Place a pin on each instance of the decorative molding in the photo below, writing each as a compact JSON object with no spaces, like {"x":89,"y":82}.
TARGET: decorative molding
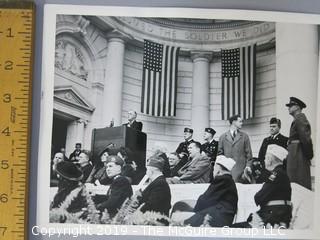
{"x":70,"y":97}
{"x":82,"y":25}
{"x":69,"y":58}
{"x":201,"y":54}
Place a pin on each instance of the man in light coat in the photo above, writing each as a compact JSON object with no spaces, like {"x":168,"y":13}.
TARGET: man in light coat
{"x":235,"y":144}
{"x":196,"y":170}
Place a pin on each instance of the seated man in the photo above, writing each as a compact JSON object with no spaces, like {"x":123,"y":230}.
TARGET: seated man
{"x":85,"y":165}
{"x":173,"y":163}
{"x":196,"y":170}
{"x":219,"y":201}
{"x":69,"y":176}
{"x":274,"y":198}
{"x":119,"y":190}
{"x":156,"y":196}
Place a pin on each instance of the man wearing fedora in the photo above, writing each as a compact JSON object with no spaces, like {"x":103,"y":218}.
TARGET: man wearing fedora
{"x":300,"y":146}
{"x":157,"y":195}
{"x":182,"y":149}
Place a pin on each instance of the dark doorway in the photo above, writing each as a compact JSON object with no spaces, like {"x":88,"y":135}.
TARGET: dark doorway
{"x":59,"y":134}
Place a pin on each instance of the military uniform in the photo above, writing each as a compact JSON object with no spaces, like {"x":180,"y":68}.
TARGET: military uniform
{"x":183,"y":148}
{"x":300,"y":146}
{"x":211,"y":149}
{"x":278,"y":139}
{"x":274,"y":198}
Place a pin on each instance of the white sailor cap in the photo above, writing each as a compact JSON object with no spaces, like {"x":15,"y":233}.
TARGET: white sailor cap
{"x":228,"y":163}
{"x":277,"y":151}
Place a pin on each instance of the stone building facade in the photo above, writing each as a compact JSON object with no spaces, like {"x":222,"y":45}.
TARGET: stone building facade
{"x":98,"y":75}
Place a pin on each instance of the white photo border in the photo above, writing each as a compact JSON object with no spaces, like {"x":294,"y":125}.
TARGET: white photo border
{"x":46,"y":117}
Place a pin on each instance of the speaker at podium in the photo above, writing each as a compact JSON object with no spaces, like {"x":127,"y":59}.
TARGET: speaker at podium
{"x":122,"y":136}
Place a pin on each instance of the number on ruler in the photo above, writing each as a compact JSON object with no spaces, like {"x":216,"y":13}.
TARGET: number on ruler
{"x":4,"y":164}
{"x":6,"y":131}
{"x":3,"y":230}
{"x":9,"y":33}
{"x":8,"y":65}
{"x":3,"y":198}
{"x":6,"y":98}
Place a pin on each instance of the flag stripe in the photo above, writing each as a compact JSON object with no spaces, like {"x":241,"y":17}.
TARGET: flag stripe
{"x":238,"y":82}
{"x":159,"y":86}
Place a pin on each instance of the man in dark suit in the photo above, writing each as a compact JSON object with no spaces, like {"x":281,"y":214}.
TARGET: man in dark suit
{"x":235,"y":144}
{"x":182,"y":149}
{"x":219,"y":201}
{"x":300,"y":146}
{"x":74,"y":156}
{"x":132,"y":116}
{"x":156,"y":196}
{"x":275,"y":138}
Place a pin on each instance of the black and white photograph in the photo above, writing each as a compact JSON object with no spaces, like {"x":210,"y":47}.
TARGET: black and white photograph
{"x":178,"y":118}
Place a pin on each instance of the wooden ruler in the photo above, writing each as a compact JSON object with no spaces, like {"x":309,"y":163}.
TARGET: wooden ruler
{"x":16,"y":48}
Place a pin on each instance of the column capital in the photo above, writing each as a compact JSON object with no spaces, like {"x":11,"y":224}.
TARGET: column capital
{"x":197,"y":55}
{"x":82,"y":121}
{"x":116,"y":35}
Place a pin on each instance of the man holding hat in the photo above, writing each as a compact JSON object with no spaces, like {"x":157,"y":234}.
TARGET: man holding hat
{"x":210,"y":147}
{"x":219,"y":201}
{"x":182,"y":149}
{"x":120,"y":188}
{"x":70,"y":177}
{"x":236,"y":145}
{"x":156,"y":196}
{"x":300,"y":145}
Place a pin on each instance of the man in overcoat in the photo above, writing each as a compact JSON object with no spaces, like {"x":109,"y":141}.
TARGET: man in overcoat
{"x":219,"y":201}
{"x":156,"y":196}
{"x":196,"y":170}
{"x":235,"y":144}
{"x":300,"y":146}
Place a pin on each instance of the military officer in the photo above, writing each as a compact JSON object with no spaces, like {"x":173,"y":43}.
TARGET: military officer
{"x":182,"y":149}
{"x":275,"y":138}
{"x":300,"y":146}
{"x":210,"y":147}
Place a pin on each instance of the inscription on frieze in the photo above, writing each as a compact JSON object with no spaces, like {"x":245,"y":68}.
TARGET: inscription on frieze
{"x":202,"y":35}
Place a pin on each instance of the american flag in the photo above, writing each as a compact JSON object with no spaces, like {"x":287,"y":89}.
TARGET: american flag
{"x":159,"y":80}
{"x":238,"y":82}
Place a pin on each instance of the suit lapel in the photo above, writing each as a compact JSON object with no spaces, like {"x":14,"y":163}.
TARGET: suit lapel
{"x":229,"y":137}
{"x":237,"y":138}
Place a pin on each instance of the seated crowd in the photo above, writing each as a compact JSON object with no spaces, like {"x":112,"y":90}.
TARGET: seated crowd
{"x":221,"y":163}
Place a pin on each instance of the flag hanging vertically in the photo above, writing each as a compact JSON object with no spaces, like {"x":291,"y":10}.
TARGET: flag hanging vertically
{"x":159,"y":79}
{"x":238,"y":82}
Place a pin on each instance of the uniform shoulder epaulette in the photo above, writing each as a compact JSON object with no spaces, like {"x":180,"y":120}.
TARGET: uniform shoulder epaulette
{"x":273,"y":176}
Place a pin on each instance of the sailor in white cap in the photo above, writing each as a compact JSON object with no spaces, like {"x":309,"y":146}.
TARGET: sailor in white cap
{"x":274,"y":198}
{"x":219,"y":201}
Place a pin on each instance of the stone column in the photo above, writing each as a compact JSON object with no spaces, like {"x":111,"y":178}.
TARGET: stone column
{"x":200,"y":93}
{"x":296,"y":70}
{"x":112,"y":96}
{"x":75,"y":134}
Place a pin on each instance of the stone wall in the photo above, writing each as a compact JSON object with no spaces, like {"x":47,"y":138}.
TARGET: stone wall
{"x":168,"y":132}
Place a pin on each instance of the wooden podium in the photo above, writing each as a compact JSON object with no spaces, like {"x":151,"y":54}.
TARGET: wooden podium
{"x":124,"y":136}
